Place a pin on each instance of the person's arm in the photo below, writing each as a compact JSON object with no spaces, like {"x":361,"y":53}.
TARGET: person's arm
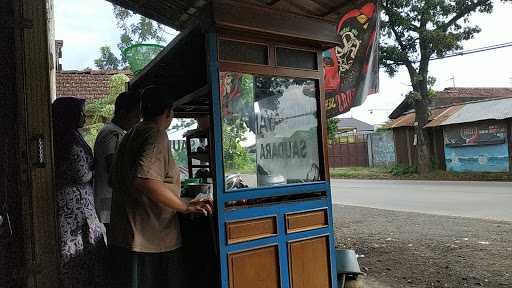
{"x":159,"y":193}
{"x":110,"y":146}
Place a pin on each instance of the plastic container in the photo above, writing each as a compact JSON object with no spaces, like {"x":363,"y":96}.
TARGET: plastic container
{"x":139,"y":55}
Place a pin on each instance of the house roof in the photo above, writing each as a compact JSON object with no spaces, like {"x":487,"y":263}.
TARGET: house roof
{"x":437,"y":116}
{"x":178,"y":14}
{"x":496,"y":109}
{"x":459,"y":113}
{"x":352,"y":123}
{"x":86,"y":84}
{"x":451,"y":96}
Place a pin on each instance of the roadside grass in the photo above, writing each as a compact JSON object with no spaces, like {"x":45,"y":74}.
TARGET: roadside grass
{"x":408,"y":173}
{"x":361,"y":173}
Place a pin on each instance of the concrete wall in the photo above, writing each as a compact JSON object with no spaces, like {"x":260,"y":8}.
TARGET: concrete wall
{"x":381,"y":149}
{"x":485,"y":151}
{"x":491,"y":158}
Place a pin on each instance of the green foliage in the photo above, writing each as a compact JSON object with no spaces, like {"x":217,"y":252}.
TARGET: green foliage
{"x":360,"y":173}
{"x":107,"y":60}
{"x":180,"y":157}
{"x":236,"y":157}
{"x":125,"y":41}
{"x":401,"y":170}
{"x":136,"y":29}
{"x":101,"y":111}
{"x":117,"y":86}
{"x":247,"y":89}
{"x":384,"y":173}
{"x":332,"y":129}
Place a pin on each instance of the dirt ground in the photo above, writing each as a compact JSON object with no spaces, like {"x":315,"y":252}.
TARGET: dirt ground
{"x":403,"y":249}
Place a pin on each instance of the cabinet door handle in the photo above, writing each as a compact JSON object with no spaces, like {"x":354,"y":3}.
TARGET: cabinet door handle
{"x":40,"y":159}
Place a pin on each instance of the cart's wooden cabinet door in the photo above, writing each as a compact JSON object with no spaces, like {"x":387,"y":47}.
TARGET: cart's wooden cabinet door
{"x":258,"y":268}
{"x":309,"y":263}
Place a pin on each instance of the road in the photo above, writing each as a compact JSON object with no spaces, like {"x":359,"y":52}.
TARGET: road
{"x":486,"y":200}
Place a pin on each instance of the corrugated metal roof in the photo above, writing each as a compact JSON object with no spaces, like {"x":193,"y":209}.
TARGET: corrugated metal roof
{"x":437,"y":116}
{"x":494,"y":109}
{"x":498,"y":109}
{"x":451,"y":96}
{"x":404,"y":121}
{"x":443,"y":116}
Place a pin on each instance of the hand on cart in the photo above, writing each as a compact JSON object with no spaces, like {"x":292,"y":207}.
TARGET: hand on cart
{"x":199,"y":207}
{"x":202,"y":203}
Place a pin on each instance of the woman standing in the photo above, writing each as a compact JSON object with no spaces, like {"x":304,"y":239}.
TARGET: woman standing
{"x":81,"y":236}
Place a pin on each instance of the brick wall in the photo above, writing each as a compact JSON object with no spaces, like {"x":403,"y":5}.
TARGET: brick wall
{"x":88,"y":84}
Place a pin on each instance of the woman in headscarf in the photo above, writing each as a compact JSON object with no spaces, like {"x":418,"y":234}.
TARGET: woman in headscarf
{"x":81,"y":236}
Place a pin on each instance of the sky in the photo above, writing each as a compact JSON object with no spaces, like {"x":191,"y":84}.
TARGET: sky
{"x":86,"y":25}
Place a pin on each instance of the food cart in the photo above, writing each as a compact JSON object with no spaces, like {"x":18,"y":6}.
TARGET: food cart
{"x":256,"y":74}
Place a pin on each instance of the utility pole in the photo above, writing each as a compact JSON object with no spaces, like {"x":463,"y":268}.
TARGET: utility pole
{"x":453,"y":80}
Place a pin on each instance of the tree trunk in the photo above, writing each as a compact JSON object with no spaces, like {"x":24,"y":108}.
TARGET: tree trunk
{"x":422,"y":137}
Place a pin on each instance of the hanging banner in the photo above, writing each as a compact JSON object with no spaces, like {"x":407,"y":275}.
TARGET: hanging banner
{"x":352,"y":69}
{"x":475,"y":134}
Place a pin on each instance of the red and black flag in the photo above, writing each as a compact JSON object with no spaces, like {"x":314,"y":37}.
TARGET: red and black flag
{"x":352,"y":69}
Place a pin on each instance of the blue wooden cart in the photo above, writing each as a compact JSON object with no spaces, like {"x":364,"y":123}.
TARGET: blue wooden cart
{"x":256,"y":73}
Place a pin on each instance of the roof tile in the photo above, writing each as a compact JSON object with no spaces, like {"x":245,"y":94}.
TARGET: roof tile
{"x":87,"y":84}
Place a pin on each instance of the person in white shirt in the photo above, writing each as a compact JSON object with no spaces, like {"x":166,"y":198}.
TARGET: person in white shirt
{"x":126,"y":115}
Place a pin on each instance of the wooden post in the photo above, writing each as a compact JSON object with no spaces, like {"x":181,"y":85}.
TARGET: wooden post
{"x":35,"y":142}
{"x":409,"y":152}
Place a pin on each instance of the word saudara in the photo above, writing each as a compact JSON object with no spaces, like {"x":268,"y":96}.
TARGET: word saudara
{"x":284,"y":150}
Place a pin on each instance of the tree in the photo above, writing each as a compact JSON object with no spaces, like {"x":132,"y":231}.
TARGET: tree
{"x":236,"y":157}
{"x":136,"y":29}
{"x":332,"y":128}
{"x":413,"y":32}
{"x":100,"y":111}
{"x":107,"y":60}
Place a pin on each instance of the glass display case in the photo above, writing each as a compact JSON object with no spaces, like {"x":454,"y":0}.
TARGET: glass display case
{"x":270,"y":129}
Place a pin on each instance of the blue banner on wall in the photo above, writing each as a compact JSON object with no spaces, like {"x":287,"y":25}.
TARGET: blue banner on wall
{"x":488,"y":158}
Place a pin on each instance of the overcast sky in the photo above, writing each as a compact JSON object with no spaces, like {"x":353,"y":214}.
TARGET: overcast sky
{"x":86,"y":25}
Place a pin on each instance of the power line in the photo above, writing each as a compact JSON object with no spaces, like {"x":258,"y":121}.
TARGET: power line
{"x":473,"y":51}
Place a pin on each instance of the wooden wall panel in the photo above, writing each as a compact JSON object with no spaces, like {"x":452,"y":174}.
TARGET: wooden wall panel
{"x":309,"y":263}
{"x":404,"y":145}
{"x":257,"y":268}
{"x":306,"y":221}
{"x":35,"y":109}
{"x":348,"y":155}
{"x":236,"y":15}
{"x":11,"y":160}
{"x":242,"y":231}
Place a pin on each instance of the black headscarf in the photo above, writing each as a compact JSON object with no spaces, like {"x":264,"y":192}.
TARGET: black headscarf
{"x":67,"y":119}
